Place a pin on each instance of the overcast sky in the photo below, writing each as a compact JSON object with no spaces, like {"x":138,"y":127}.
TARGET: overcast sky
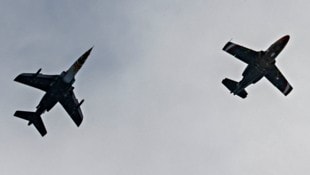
{"x":154,"y":102}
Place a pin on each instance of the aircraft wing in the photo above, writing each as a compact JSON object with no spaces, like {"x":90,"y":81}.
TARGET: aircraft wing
{"x":72,"y":106}
{"x":278,"y":80}
{"x":244,"y":54}
{"x":39,"y":81}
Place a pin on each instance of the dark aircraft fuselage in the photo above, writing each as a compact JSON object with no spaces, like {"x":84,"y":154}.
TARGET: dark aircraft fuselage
{"x":61,"y":87}
{"x":58,"y":89}
{"x":260,"y":65}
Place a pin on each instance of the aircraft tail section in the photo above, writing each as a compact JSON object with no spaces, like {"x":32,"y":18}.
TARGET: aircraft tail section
{"x":33,"y":118}
{"x":232,"y":86}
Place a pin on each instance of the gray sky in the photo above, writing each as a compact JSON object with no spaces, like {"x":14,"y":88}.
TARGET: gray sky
{"x":154,"y":102}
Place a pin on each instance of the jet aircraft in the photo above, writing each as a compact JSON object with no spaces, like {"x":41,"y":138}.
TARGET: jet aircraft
{"x":58,"y":88}
{"x":260,"y":64}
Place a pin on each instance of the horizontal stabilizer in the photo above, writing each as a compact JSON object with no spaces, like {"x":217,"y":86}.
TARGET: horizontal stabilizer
{"x":34,"y":119}
{"x":232,"y":86}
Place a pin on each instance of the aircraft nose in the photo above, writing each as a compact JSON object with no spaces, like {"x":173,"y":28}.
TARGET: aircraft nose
{"x":88,"y":52}
{"x":285,"y":39}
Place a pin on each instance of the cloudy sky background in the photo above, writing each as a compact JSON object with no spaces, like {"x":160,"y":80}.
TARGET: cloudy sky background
{"x":154,"y":102}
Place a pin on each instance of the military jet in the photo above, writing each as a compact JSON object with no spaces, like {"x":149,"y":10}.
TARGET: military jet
{"x":260,"y":64}
{"x":58,"y":88}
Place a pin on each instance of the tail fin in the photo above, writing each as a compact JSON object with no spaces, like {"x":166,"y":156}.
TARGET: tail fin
{"x":34,"y":119}
{"x":232,"y":86}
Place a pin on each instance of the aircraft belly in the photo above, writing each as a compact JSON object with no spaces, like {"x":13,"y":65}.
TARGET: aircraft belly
{"x":253,"y":71}
{"x":54,"y":95}
{"x":48,"y":101}
{"x":252,"y":74}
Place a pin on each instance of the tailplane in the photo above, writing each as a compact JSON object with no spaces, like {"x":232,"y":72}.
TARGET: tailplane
{"x":33,"y":118}
{"x":232,"y":86}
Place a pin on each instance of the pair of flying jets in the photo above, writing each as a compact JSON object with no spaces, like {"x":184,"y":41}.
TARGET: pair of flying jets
{"x":58,"y":88}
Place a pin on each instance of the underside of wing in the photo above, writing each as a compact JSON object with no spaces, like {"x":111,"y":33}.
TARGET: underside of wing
{"x":39,"y":81}
{"x":72,"y":106}
{"x":277,"y":79}
{"x":244,"y":54}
